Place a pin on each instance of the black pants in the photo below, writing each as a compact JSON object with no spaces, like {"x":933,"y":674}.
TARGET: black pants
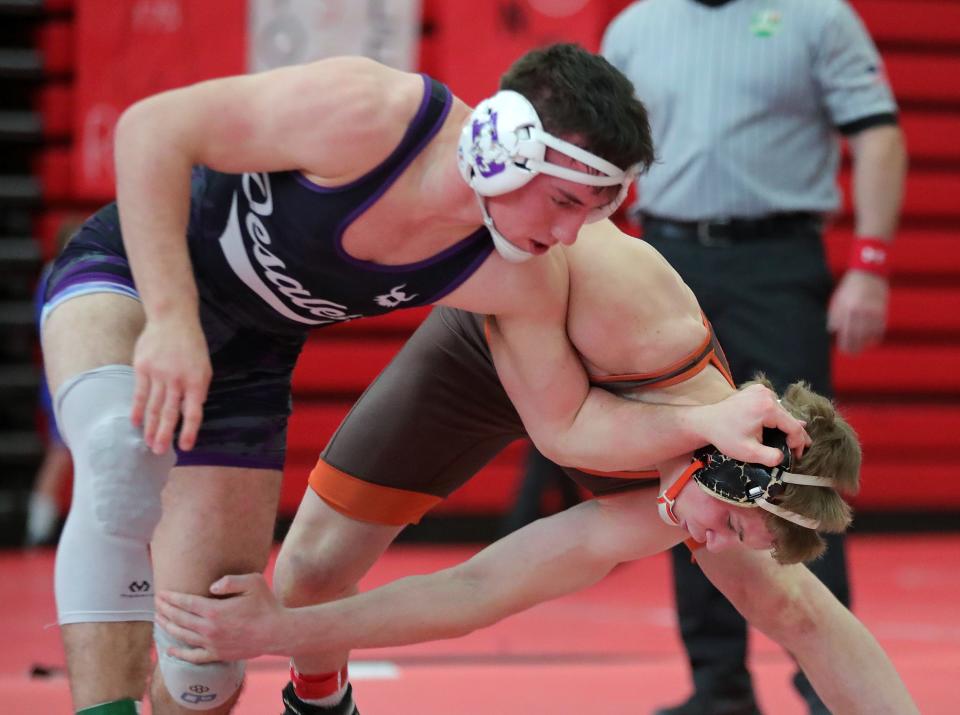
{"x":767,"y":300}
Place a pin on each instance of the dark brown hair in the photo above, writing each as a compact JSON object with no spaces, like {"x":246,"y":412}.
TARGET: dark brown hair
{"x":582,"y":97}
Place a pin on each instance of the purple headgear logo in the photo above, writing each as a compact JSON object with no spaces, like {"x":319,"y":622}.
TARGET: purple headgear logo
{"x":489,"y":156}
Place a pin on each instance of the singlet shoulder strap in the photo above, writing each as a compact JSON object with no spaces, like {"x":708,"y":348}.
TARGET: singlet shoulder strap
{"x":431,"y":114}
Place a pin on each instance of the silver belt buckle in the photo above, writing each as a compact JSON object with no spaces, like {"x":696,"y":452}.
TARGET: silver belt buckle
{"x":705,"y":236}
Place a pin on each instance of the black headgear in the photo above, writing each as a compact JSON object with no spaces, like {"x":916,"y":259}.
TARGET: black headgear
{"x":744,"y":483}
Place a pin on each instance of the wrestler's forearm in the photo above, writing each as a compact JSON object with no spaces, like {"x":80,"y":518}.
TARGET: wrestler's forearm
{"x":399,"y":613}
{"x":153,"y":197}
{"x":544,"y":560}
{"x":614,"y":434}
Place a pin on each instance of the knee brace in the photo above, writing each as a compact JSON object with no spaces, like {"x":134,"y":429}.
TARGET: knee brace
{"x":103,"y":570}
{"x":197,"y":687}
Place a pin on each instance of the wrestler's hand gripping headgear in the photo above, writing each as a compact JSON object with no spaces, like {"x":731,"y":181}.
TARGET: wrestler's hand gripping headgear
{"x":743,"y":483}
{"x":503,"y":146}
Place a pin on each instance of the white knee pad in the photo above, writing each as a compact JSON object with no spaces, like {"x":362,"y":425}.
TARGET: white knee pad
{"x":103,"y":570}
{"x":197,"y":687}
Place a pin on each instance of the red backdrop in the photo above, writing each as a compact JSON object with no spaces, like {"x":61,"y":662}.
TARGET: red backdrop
{"x":127,"y":51}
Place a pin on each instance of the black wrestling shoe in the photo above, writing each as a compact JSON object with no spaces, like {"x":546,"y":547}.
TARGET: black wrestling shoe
{"x":292,"y":705}
{"x":713,"y":706}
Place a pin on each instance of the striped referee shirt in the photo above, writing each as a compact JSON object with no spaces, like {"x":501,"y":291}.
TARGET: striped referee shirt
{"x":747,"y":100}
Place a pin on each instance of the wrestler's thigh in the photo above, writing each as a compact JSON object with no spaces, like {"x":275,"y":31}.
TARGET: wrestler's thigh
{"x":87,"y":332}
{"x":216,"y":521}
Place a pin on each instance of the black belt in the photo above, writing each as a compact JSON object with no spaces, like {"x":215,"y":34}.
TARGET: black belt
{"x":734,"y":230}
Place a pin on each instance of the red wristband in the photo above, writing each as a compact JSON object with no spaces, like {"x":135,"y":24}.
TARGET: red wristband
{"x":314,"y":687}
{"x":871,"y":255}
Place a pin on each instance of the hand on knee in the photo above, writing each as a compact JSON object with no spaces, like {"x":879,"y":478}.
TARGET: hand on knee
{"x":118,"y":479}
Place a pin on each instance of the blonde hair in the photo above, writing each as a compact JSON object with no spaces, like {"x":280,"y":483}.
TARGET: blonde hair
{"x":834,"y":454}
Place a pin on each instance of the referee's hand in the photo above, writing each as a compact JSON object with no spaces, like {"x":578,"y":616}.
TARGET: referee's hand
{"x":857,"y":314}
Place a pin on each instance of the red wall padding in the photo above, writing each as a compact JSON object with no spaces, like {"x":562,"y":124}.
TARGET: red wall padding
{"x":473,"y":43}
{"x":127,"y":51}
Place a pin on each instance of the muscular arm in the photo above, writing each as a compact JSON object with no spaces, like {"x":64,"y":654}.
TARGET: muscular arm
{"x":549,"y":558}
{"x":544,"y":560}
{"x":310,"y":117}
{"x":846,"y":665}
{"x":577,"y":425}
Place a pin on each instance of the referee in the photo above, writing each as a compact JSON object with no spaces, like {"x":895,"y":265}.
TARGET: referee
{"x":747,"y":100}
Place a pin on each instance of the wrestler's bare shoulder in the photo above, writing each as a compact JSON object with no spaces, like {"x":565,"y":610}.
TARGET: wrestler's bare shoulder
{"x":372,"y":105}
{"x":629,"y":310}
{"x":332,"y":119}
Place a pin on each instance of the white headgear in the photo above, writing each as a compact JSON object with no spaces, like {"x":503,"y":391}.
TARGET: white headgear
{"x":503,"y":147}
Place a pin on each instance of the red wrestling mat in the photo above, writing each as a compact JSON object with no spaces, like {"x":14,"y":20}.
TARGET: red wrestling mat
{"x":612,"y":649}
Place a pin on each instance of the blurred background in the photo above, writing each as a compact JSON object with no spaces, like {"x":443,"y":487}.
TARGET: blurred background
{"x":69,"y":67}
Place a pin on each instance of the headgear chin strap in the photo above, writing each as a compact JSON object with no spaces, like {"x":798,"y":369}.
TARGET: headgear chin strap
{"x":743,"y":483}
{"x":507,"y":251}
{"x":503,"y":147}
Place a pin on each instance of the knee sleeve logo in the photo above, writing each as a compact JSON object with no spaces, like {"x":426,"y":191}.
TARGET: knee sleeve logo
{"x":196,"y":694}
{"x":139,"y":587}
